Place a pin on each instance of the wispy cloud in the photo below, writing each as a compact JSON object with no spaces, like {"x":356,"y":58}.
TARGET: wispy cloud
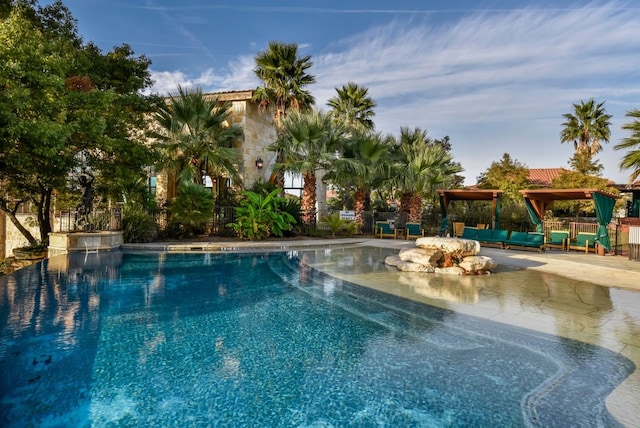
{"x":494,"y":81}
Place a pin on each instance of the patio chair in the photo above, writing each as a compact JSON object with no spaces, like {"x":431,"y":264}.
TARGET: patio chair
{"x":384,"y":230}
{"x":584,"y":242}
{"x":413,"y":230}
{"x":458,"y":228}
{"x":557,"y":239}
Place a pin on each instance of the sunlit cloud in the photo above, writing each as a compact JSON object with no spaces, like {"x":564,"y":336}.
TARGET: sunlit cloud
{"x":494,"y":82}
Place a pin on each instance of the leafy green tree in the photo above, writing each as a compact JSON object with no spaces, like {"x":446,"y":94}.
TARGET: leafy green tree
{"x":587,"y":127}
{"x":578,"y":180}
{"x":195,"y":137}
{"x":308,"y":142}
{"x":353,"y":106}
{"x":508,"y":175}
{"x":260,"y":216}
{"x":583,"y":162}
{"x":58,"y":111}
{"x":631,"y":159}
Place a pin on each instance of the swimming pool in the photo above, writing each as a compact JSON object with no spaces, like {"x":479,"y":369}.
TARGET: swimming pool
{"x":135,"y":339}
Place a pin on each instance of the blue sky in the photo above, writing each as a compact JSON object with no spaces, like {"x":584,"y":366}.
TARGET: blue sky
{"x":496,"y":76}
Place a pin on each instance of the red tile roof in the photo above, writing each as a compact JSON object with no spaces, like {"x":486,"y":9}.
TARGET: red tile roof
{"x":544,"y":176}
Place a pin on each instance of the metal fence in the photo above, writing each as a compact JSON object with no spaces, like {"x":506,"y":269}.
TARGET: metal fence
{"x":111,"y":219}
{"x":99,"y":220}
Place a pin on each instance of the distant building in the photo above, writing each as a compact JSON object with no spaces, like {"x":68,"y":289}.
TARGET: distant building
{"x":543,"y":177}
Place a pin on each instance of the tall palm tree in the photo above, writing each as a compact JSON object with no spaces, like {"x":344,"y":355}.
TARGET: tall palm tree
{"x":631,"y":160}
{"x":285,"y":77}
{"x":587,"y":127}
{"x":361,"y":164}
{"x":195,"y":136}
{"x":308,"y":142}
{"x":353,"y":106}
{"x":420,"y":166}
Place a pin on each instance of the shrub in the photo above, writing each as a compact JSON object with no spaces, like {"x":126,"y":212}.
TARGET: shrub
{"x":137,"y":224}
{"x":336,"y":224}
{"x":259,"y":217}
{"x":191,"y":209}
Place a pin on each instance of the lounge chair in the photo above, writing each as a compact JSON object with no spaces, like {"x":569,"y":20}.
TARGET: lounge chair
{"x":557,"y":239}
{"x":492,"y":237}
{"x":584,"y":242}
{"x":526,"y":241}
{"x":384,"y":230}
{"x":470,"y":233}
{"x":413,"y":230}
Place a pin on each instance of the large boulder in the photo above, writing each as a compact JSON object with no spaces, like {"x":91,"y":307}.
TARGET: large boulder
{"x":455,"y":246}
{"x":423,"y":256}
{"x":477,"y":264}
{"x":392,"y":260}
{"x":414,"y":267}
{"x":453,"y":270}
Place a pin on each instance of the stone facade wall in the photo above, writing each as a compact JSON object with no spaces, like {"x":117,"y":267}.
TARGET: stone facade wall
{"x":3,"y":235}
{"x":13,"y":237}
{"x":258,"y":132}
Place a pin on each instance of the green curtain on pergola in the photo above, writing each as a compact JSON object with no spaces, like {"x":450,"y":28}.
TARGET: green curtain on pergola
{"x":604,"y":211}
{"x":532,"y":214}
{"x":444,"y":223}
{"x":538,"y":201}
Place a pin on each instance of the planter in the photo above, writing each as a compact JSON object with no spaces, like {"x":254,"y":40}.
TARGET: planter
{"x":27,"y":254}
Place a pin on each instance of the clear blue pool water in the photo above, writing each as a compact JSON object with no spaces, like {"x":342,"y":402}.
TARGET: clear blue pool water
{"x":126,"y":339}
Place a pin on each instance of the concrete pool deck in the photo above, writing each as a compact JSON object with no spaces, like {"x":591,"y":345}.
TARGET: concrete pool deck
{"x":594,"y":299}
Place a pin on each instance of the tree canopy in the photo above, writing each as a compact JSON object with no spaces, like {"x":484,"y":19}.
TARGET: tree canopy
{"x":64,"y":106}
{"x":631,"y":160}
{"x":508,"y":175}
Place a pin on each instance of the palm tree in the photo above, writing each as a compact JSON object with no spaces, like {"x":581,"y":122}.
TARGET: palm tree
{"x":353,"y":106}
{"x":285,"y":77}
{"x":587,"y":128}
{"x":308,"y":142}
{"x":196,"y":138}
{"x":362,"y":164}
{"x":420,"y":166}
{"x":631,"y":160}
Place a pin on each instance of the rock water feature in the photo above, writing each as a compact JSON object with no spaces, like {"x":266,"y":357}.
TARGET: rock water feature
{"x":436,"y":254}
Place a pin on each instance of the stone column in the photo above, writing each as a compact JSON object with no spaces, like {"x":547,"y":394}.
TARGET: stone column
{"x":3,"y":235}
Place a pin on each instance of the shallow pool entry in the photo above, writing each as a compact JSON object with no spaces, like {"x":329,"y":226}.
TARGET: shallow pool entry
{"x":139,"y":339}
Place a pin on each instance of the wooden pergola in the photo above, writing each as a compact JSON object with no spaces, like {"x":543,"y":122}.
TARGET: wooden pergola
{"x":539,"y":200}
{"x":542,"y":199}
{"x":494,"y":195}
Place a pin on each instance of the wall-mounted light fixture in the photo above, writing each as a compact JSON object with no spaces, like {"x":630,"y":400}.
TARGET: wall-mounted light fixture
{"x":259,"y":163}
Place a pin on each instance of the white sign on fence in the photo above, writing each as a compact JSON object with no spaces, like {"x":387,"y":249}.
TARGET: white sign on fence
{"x":347,"y":215}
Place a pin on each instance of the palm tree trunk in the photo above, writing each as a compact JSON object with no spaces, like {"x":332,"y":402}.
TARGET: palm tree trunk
{"x":308,"y":202}
{"x":415,"y":209}
{"x":405,"y":206}
{"x":359,"y":203}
